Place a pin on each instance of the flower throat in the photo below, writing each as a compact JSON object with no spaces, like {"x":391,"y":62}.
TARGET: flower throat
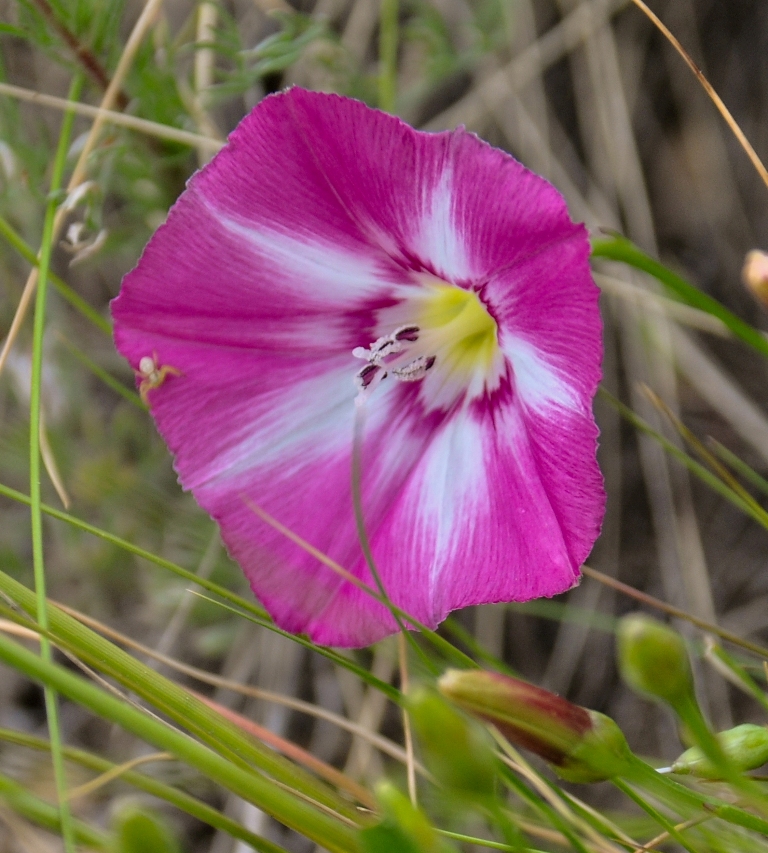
{"x":443,"y":328}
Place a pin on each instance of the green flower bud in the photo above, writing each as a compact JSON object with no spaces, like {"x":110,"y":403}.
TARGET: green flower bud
{"x":139,"y":829}
{"x":745,"y":747}
{"x":583,"y":746}
{"x":457,"y":751}
{"x":404,"y":827}
{"x":653,"y":660}
{"x":603,"y":753}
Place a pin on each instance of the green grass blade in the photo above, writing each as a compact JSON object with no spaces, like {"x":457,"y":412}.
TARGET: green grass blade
{"x":291,"y":809}
{"x":171,"y":699}
{"x":450,"y":652}
{"x":620,"y":249}
{"x":74,"y":299}
{"x":737,"y":671}
{"x":17,"y":797}
{"x":687,"y":802}
{"x":180,"y":799}
{"x":126,"y":393}
{"x":242,"y":607}
{"x":740,"y":467}
{"x":704,"y":474}
{"x":388,"y":690}
{"x":35,"y":460}
{"x":660,"y":818}
{"x":125,"y":545}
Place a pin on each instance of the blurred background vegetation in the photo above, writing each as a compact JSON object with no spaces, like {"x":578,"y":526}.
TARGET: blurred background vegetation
{"x":588,"y":94}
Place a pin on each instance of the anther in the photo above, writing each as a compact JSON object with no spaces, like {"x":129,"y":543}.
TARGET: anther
{"x":366,"y":375}
{"x":406,"y":333}
{"x":414,"y":370}
{"x":380,"y":362}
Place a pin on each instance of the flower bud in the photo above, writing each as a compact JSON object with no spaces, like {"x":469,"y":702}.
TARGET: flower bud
{"x":653,"y":659}
{"x":404,"y":827}
{"x":745,"y":747}
{"x":755,"y":274}
{"x":525,"y":714}
{"x":583,"y":746}
{"x":457,"y":751}
{"x":138,"y":829}
{"x":603,"y":753}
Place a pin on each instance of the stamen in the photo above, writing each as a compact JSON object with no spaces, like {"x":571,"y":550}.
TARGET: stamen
{"x":367,"y":374}
{"x":415,"y":370}
{"x":382,"y":350}
{"x":406,"y":333}
{"x":454,"y":337}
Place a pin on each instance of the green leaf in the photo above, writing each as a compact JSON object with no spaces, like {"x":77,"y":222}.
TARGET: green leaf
{"x":9,"y":29}
{"x":621,"y":249}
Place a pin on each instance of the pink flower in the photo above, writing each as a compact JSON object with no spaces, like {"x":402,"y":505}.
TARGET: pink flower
{"x":332,"y":261}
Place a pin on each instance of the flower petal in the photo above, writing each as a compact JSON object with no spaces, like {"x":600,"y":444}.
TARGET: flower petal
{"x":497,"y":508}
{"x":505,"y":512}
{"x":272,"y":267}
{"x":302,"y":478}
{"x":546,"y":308}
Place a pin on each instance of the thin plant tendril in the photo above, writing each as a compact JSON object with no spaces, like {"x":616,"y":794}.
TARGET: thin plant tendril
{"x":357,"y":503}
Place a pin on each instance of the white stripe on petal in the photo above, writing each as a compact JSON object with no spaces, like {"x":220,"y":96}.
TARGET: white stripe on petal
{"x":538,"y":384}
{"x":322,"y":270}
{"x":311,"y":418}
{"x":453,"y":478}
{"x":439,"y":241}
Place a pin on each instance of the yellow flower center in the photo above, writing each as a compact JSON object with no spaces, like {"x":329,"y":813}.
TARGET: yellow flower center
{"x":456,"y":327}
{"x":441,"y":334}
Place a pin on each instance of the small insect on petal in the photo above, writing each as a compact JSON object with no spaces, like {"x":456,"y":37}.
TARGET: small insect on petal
{"x":152,"y":375}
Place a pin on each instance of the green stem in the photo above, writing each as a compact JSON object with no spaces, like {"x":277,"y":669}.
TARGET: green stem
{"x":336,"y":835}
{"x":38,"y":562}
{"x":748,"y":683}
{"x":661,"y":819}
{"x":686,"y":802}
{"x":171,"y":699}
{"x":542,"y":806}
{"x":462,"y":635}
{"x":183,"y":801}
{"x":74,"y":299}
{"x":98,"y":371}
{"x":484,"y":842}
{"x":388,"y":37}
{"x":365,"y":545}
{"x":48,"y":816}
{"x":689,"y":712}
